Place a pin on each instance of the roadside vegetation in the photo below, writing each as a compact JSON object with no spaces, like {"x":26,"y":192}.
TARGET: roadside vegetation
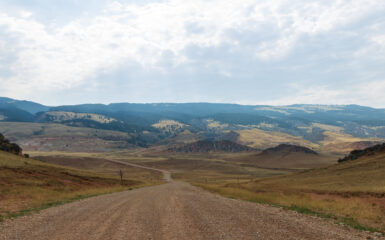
{"x":352,"y":193}
{"x":28,"y":185}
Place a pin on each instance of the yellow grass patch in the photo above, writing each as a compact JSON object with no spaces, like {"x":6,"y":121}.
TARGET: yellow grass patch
{"x":258,"y":138}
{"x":216,"y":125}
{"x":169,"y":124}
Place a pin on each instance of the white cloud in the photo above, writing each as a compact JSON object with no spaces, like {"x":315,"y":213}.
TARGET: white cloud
{"x":62,"y":57}
{"x":310,"y":95}
{"x":366,"y":93}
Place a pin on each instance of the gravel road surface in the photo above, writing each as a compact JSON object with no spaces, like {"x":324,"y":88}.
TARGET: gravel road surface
{"x":174,"y":210}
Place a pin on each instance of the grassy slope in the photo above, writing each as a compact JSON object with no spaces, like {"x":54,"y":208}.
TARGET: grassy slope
{"x":52,"y":136}
{"x":30,"y":184}
{"x":353,"y":191}
{"x":261,"y":139}
{"x":23,"y":130}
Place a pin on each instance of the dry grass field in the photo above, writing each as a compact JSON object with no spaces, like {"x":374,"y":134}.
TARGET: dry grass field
{"x":292,"y":161}
{"x":28,"y":185}
{"x":352,"y":192}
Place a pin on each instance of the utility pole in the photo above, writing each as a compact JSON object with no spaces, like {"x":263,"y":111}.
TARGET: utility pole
{"x":121,"y":176}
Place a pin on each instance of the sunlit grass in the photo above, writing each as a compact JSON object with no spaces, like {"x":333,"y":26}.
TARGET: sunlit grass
{"x":351,"y":192}
{"x":355,"y":211}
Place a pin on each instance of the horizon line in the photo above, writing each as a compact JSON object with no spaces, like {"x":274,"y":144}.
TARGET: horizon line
{"x":203,"y":102}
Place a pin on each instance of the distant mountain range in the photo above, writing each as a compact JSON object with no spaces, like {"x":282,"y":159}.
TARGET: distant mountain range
{"x":331,"y":128}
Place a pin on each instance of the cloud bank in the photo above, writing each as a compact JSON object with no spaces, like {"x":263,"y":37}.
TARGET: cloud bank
{"x":250,"y":52}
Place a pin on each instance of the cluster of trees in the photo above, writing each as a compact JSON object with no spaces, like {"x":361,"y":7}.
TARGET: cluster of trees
{"x":355,"y":154}
{"x":6,"y":145}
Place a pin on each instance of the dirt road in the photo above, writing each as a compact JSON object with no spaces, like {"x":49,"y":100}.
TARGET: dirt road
{"x":166,"y":174}
{"x":174,"y":210}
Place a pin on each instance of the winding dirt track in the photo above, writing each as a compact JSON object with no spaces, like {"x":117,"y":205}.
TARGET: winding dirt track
{"x":175,"y":210}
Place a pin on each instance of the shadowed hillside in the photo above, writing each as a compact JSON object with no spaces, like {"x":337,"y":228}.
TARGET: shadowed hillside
{"x":211,"y":146}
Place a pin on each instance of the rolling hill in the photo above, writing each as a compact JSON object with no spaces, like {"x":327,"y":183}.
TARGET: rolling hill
{"x":350,"y":192}
{"x":362,"y":174}
{"x":288,"y":157}
{"x":288,"y":149}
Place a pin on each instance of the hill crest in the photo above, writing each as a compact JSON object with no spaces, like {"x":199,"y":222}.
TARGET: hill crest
{"x":288,"y":148}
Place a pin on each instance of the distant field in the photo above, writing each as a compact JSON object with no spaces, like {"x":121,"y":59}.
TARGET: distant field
{"x":27,"y":185}
{"x":293,"y":161}
{"x":99,"y":165}
{"x":211,"y":164}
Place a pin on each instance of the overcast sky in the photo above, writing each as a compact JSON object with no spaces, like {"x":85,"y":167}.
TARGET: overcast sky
{"x":235,"y":51}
